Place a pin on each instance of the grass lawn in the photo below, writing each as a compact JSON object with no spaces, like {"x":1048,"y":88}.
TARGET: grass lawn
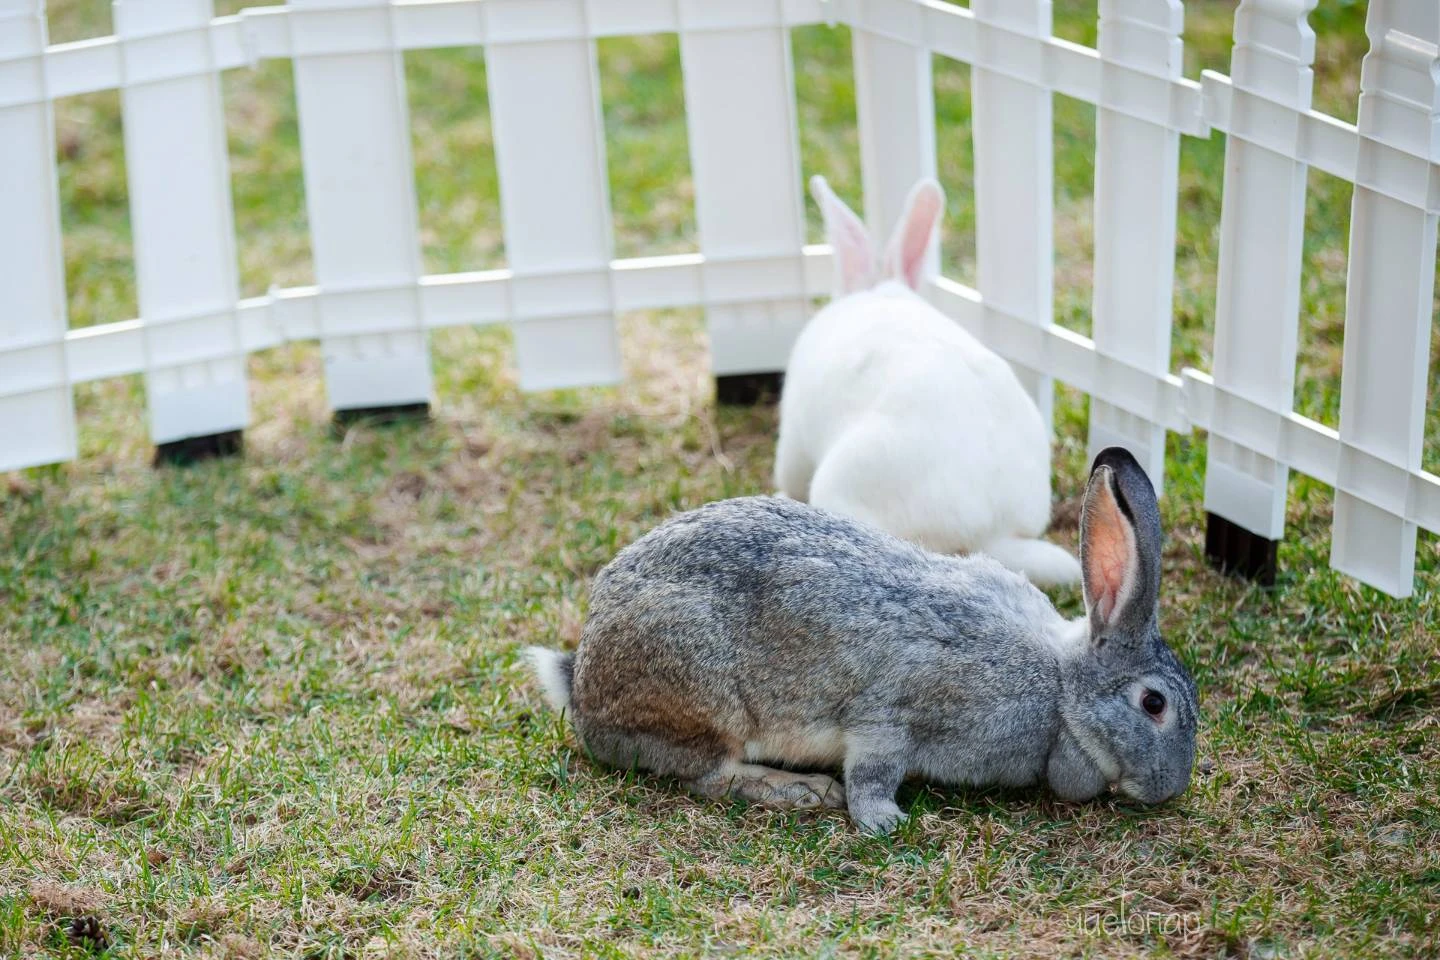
{"x":271,"y":706}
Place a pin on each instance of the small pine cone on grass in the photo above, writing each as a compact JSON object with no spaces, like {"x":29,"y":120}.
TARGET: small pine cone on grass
{"x":88,"y":931}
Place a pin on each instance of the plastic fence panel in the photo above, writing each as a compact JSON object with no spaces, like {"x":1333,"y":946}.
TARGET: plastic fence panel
{"x":360,"y":194}
{"x":1262,"y":221}
{"x":179,"y":173}
{"x":1014,"y":181}
{"x":895,"y":107}
{"x":37,"y":417}
{"x":553,"y":194}
{"x":745,"y":157}
{"x":1389,"y":298}
{"x":1136,"y":187}
{"x":371,"y":306}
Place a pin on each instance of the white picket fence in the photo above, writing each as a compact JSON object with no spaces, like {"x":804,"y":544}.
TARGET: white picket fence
{"x":372,"y":305}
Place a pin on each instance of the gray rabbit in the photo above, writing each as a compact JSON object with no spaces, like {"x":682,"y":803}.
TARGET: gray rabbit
{"x":762,"y":631}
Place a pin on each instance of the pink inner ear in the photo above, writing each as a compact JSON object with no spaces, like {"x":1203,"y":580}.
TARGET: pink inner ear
{"x":848,"y":239}
{"x":851,"y":243}
{"x":914,"y":238}
{"x":1109,"y":552}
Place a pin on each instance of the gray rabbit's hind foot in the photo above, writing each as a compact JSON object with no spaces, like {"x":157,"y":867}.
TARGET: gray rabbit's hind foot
{"x":766,"y":785}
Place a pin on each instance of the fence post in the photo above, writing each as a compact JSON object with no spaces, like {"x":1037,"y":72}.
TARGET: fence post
{"x":895,"y":109}
{"x":1257,"y":297}
{"x":178,"y":168}
{"x":360,"y":196}
{"x":554,"y":200}
{"x":1014,"y":179}
{"x":1389,"y":297}
{"x":36,"y":404}
{"x":1137,"y":165}
{"x":745,"y":157}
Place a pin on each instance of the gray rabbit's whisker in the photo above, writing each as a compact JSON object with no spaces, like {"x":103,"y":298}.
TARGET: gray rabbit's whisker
{"x":1130,"y":789}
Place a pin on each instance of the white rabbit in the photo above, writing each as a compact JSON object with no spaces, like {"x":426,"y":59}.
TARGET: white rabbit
{"x":894,"y":415}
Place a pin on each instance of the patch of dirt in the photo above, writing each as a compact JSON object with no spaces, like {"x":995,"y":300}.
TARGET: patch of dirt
{"x":101,"y":796}
{"x":382,"y":883}
{"x":77,"y":913}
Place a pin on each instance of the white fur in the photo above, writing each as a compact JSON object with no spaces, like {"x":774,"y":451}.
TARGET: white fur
{"x":894,"y":415}
{"x":547,"y":665}
{"x":1068,"y":638}
{"x":815,"y":744}
{"x":1046,"y":564}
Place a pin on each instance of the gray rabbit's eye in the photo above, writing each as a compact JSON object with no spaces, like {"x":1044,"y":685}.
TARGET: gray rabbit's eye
{"x":1153,"y":702}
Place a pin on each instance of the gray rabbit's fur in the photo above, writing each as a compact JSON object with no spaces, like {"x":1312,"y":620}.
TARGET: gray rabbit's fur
{"x":764,"y":630}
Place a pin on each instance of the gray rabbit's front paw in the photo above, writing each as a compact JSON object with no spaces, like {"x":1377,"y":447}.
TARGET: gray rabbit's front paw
{"x":810,"y":790}
{"x":877,"y":816}
{"x":778,"y":788}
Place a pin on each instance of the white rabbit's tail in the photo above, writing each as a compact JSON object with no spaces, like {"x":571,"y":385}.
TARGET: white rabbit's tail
{"x":555,"y":671}
{"x":1043,"y":562}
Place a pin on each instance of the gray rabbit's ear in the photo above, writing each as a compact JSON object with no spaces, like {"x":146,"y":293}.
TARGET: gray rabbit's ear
{"x":1120,"y":543}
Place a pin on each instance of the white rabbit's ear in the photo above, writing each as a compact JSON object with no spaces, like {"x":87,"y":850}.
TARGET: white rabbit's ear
{"x":848,"y":238}
{"x":905,"y":256}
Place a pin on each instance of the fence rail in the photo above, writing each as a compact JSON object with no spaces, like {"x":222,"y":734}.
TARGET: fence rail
{"x":372,"y":304}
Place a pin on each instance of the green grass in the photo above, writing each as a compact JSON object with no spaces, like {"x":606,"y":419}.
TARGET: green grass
{"x":271,"y":706}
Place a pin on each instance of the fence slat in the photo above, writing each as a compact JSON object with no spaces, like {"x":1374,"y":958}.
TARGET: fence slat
{"x":1262,"y":221}
{"x":360,"y":196}
{"x":1388,"y":299}
{"x":179,"y":178}
{"x":895,"y":108}
{"x":1137,"y":165}
{"x":1014,"y":182}
{"x":555,"y":203}
{"x":36,"y":407}
{"x":745,"y":157}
